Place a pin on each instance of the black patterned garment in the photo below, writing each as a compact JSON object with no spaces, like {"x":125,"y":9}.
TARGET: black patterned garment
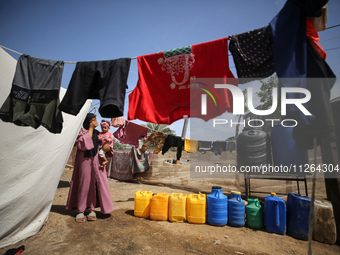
{"x":253,"y":54}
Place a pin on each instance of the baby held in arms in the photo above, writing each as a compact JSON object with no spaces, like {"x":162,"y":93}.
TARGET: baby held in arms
{"x":106,"y":141}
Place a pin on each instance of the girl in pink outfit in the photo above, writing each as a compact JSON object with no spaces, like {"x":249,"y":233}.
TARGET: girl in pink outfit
{"x":106,"y":142}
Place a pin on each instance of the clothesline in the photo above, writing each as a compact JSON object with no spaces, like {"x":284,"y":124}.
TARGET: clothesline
{"x":66,"y":62}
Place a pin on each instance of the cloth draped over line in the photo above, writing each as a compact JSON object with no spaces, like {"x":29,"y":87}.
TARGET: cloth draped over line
{"x":130,"y":133}
{"x":253,"y":54}
{"x":156,"y":137}
{"x":89,"y":186}
{"x":117,"y":122}
{"x":204,"y":146}
{"x":321,"y":80}
{"x":295,"y":59}
{"x":125,"y":164}
{"x":288,"y":30}
{"x":34,"y":96}
{"x":190,"y":145}
{"x":173,"y":141}
{"x":104,"y":80}
{"x":165,"y":90}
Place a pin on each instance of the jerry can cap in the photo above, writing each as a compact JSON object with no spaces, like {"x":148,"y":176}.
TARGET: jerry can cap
{"x":273,"y":193}
{"x":236,"y":192}
{"x":216,"y":187}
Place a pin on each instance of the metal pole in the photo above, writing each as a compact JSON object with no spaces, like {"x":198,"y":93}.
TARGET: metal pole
{"x":185,"y":125}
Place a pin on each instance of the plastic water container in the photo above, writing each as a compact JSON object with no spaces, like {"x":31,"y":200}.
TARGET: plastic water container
{"x":298,"y":208}
{"x":142,"y":204}
{"x":177,"y":207}
{"x":275,"y":214}
{"x":324,"y":228}
{"x":196,"y":208}
{"x":253,"y":148}
{"x":236,"y":210}
{"x":159,"y":207}
{"x":254,"y":214}
{"x":217,"y":207}
{"x":284,"y":149}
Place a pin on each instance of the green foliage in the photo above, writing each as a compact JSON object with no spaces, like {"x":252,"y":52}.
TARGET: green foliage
{"x":266,"y":91}
{"x":159,"y":127}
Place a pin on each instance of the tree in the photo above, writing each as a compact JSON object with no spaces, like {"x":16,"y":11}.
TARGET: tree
{"x":266,"y":98}
{"x":266,"y":92}
{"x":159,"y":127}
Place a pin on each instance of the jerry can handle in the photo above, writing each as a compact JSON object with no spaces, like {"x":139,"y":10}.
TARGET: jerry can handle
{"x":277,"y":214}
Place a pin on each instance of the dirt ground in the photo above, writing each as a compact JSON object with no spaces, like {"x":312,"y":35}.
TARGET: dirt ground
{"x":123,"y":233}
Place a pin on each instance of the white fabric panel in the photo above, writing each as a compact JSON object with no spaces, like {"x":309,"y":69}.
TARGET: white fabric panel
{"x":31,"y":164}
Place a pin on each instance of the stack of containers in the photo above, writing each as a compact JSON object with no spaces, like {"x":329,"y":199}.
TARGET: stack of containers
{"x":177,"y":207}
{"x":196,"y":208}
{"x":253,"y":148}
{"x":275,"y":212}
{"x":217,"y":207}
{"x":142,"y":204}
{"x":236,"y":210}
{"x":159,"y":207}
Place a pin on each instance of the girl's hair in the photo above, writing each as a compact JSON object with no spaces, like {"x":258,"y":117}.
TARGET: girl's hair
{"x":105,"y":122}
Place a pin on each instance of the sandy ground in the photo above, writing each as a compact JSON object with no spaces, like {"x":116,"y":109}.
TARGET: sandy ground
{"x":123,"y":233}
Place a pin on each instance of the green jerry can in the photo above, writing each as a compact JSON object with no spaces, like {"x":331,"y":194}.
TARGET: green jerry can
{"x":254,"y":214}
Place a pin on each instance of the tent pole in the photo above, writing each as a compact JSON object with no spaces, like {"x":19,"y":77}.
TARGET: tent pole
{"x":185,"y":126}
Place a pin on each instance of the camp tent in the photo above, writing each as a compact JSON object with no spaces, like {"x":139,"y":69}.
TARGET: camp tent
{"x":31,"y":164}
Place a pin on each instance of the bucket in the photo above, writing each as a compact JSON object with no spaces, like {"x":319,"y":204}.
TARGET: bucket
{"x":298,"y":208}
{"x":254,"y":214}
{"x":196,"y":208}
{"x":275,"y":212}
{"x":324,"y":228}
{"x":159,"y":207}
{"x":217,"y":207}
{"x":236,"y":210}
{"x":142,"y":204}
{"x":177,"y":207}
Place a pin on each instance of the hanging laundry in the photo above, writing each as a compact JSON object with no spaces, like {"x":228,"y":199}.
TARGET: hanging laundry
{"x":103,"y":80}
{"x":190,"y":145}
{"x":139,"y":163}
{"x":156,"y":136}
{"x":173,"y":141}
{"x":253,"y":54}
{"x":204,"y":146}
{"x":34,"y":97}
{"x":288,"y":30}
{"x":117,"y":122}
{"x":125,"y":164}
{"x":166,"y":88}
{"x":321,"y":21}
{"x":218,"y":147}
{"x":320,"y":82}
{"x":313,"y":37}
{"x":130,"y":133}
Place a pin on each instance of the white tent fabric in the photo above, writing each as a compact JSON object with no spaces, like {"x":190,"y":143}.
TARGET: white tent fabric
{"x":31,"y":164}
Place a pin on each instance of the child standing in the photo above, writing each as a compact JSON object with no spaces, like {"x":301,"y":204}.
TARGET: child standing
{"x":106,"y":142}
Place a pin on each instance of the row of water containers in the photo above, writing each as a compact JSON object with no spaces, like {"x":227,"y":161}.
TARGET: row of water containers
{"x":216,"y":209}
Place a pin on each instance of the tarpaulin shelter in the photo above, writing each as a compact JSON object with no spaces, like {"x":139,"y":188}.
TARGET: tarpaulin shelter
{"x":31,"y":164}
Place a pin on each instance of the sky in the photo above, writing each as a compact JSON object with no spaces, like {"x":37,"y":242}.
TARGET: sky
{"x":83,"y":30}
